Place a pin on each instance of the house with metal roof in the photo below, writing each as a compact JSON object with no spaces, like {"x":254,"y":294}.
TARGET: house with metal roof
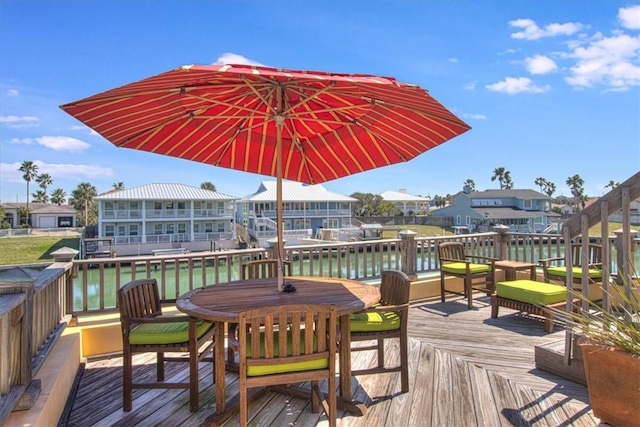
{"x":306,"y":209}
{"x":154,"y":218}
{"x":42,"y":215}
{"x":407,"y":203}
{"x":520,"y":209}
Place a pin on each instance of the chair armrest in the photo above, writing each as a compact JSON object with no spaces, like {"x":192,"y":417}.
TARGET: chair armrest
{"x":158,"y":319}
{"x":547,"y":261}
{"x":442,"y":260}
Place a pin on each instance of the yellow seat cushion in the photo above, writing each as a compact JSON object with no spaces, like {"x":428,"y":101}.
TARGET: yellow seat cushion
{"x":531,"y":292}
{"x":165,"y":333}
{"x":280,"y":368}
{"x":375,"y":322}
{"x":594,"y":273}
{"x":461,"y":268}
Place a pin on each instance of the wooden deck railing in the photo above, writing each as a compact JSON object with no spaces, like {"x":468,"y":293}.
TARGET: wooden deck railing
{"x":33,"y":312}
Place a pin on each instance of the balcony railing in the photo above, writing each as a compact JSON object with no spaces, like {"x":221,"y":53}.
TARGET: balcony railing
{"x":308,"y":213}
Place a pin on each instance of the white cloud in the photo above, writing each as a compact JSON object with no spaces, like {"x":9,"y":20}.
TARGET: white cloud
{"x":234,"y":58}
{"x":16,"y":122}
{"x":10,"y":172}
{"x":610,"y":61}
{"x":540,"y":64}
{"x":531,"y":30}
{"x":470,"y":86}
{"x":13,"y":93}
{"x":57,"y":143}
{"x":452,"y":59}
{"x":513,"y":85}
{"x":475,"y":116}
{"x":630,"y":17}
{"x":84,"y":128}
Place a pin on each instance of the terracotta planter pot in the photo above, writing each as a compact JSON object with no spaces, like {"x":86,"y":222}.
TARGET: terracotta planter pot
{"x":613,"y":380}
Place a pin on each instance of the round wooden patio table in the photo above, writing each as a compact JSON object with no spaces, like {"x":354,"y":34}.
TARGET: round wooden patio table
{"x":222,"y":303}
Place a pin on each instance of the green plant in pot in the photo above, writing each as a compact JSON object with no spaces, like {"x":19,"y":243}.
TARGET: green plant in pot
{"x":610,"y":344}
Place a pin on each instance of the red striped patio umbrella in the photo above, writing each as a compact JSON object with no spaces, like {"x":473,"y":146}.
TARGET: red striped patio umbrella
{"x":306,"y":126}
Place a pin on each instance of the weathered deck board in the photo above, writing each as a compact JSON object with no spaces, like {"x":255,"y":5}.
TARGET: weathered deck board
{"x":466,"y":369}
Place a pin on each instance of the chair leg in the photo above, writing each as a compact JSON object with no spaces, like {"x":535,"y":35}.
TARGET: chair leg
{"x":160,"y":366}
{"x":468,"y":292}
{"x":404,"y":363}
{"x":441,"y":287}
{"x":243,"y":402}
{"x":193,"y":379}
{"x":127,"y":379}
{"x":315,"y":398}
{"x":380,"y":353}
{"x":332,"y":401}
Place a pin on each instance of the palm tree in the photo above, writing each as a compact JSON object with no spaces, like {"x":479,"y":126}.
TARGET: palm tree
{"x":40,"y":197}
{"x":208,"y":186}
{"x":508,"y":182}
{"x":498,"y":173}
{"x":82,"y":198}
{"x":29,"y":171}
{"x":58,"y":196}
{"x":118,"y":185}
{"x":470,"y":183}
{"x":575,"y":184}
{"x":44,"y":180}
{"x":540,"y":182}
{"x":612,"y":184}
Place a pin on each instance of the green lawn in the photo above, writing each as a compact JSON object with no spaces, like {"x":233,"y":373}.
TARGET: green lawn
{"x":29,"y":250}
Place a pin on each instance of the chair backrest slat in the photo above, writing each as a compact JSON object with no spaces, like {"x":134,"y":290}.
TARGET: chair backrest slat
{"x":394,"y":287}
{"x":594,"y":254}
{"x":264,"y":268}
{"x":139,"y":298}
{"x":452,"y":250}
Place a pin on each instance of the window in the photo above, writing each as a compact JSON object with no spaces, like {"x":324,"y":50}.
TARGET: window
{"x":133,"y":230}
{"x":182,"y":205}
{"x":109,"y":230}
{"x":134,"y":205}
{"x":527,"y":204}
{"x":169,"y":205}
{"x":157,"y":206}
{"x":108,"y":206}
{"x":158,"y":229}
{"x":171,"y":228}
{"x":182,"y":227}
{"x":221,"y":227}
{"x":458,"y":220}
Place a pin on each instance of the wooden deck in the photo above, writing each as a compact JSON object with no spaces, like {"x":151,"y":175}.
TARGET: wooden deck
{"x":466,"y":369}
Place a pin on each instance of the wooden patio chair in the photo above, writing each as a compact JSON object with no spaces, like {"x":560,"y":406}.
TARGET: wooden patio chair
{"x":385,"y":320}
{"x":145,"y":329}
{"x":478,"y":272}
{"x":264,"y":268}
{"x":555,"y":269}
{"x":285,"y":345}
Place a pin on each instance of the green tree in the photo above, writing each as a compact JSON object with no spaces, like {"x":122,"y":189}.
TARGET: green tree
{"x":29,"y":171}
{"x":470,"y":183}
{"x":40,"y":196}
{"x":44,"y":180}
{"x":540,"y":182}
{"x":23,"y":213}
{"x":118,"y":185}
{"x":3,"y":222}
{"x":499,"y":173}
{"x":208,"y":186}
{"x":82,"y":200}
{"x":58,"y":196}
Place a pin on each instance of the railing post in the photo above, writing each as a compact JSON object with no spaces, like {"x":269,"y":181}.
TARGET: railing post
{"x":621,"y":255}
{"x":20,"y":280}
{"x":502,"y":245}
{"x":408,"y":252}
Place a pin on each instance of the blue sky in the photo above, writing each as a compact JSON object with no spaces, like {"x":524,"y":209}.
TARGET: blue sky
{"x":550,"y":88}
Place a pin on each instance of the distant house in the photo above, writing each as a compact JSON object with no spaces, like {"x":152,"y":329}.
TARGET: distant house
{"x":521,"y":210}
{"x":407,"y":203}
{"x":165,"y":216}
{"x":306,"y":209}
{"x":43,"y":215}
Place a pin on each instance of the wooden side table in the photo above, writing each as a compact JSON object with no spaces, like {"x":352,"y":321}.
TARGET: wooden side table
{"x":511,"y":267}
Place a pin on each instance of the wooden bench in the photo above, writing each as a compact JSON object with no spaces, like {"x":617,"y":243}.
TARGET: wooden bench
{"x":170,"y":251}
{"x":529,"y":296}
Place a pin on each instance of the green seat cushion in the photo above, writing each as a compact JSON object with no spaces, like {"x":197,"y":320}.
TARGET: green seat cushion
{"x":461,"y":268}
{"x":375,"y":322}
{"x":594,"y":273}
{"x":531,"y":292}
{"x":165,"y":333}
{"x":280,"y":368}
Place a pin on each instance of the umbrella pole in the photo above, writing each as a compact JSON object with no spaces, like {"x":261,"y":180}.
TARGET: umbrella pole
{"x":279,"y":122}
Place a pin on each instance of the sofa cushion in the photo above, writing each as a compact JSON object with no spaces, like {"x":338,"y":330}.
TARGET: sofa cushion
{"x":165,"y":333}
{"x":531,"y":292}
{"x":594,"y":273}
{"x":460,"y":268}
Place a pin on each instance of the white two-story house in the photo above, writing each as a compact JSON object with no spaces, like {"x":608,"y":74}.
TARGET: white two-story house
{"x":155,"y":217}
{"x":306,"y":209}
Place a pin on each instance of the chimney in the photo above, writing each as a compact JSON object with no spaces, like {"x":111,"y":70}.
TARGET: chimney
{"x":466,"y":189}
